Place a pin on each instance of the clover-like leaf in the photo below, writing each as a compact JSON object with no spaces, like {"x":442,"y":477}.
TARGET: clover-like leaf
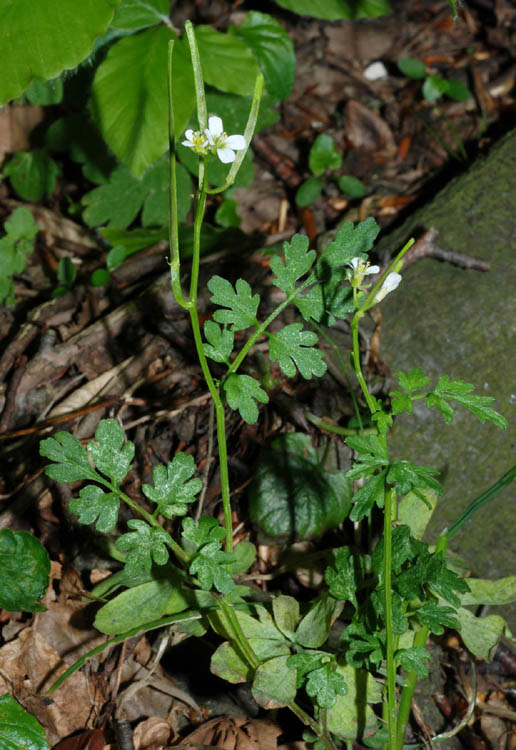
{"x":220,"y":340}
{"x":143,"y":545}
{"x":172,"y":491}
{"x":71,"y":461}
{"x":408,"y":476}
{"x":460,"y":392}
{"x":242,"y":392}
{"x":413,"y":660}
{"x":93,"y":504}
{"x":344,"y":577}
{"x":210,"y":567}
{"x":241,"y":303}
{"x":293,"y":347}
{"x":206,"y":530}
{"x":109,"y":454}
{"x":298,"y":261}
{"x":324,"y":685}
{"x":350,"y":242}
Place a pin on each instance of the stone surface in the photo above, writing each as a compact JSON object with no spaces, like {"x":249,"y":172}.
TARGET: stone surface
{"x":462,"y":323}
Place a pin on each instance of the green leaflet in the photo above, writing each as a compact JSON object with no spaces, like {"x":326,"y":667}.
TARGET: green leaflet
{"x":242,"y":392}
{"x":295,"y":348}
{"x":18,"y":728}
{"x":172,"y":492}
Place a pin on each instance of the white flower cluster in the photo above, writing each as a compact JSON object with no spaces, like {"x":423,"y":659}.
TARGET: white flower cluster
{"x":214,"y":140}
{"x":361,"y":268}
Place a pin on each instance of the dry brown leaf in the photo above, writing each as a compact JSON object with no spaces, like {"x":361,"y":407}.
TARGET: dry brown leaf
{"x":152,"y":734}
{"x":92,"y":739}
{"x":235,"y":733}
{"x":367,"y":130}
{"x":16,"y":124}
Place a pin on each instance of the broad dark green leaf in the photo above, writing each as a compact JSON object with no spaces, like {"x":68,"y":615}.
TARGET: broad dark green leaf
{"x":273,"y":50}
{"x":227,"y":62}
{"x":25,"y":567}
{"x":156,"y":204}
{"x":286,"y":614}
{"x":274,"y":684}
{"x":19,"y":730}
{"x":314,"y":628}
{"x":458,"y":91}
{"x":44,"y":93}
{"x":33,"y":174}
{"x":351,"y":716}
{"x":41,"y":39}
{"x":118,"y":202}
{"x":226,"y":214}
{"x":291,"y":496}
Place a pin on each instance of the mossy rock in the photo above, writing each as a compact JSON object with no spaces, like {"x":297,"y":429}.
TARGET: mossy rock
{"x":462,"y":323}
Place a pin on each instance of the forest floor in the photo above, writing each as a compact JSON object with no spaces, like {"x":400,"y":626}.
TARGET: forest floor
{"x":105,"y":352}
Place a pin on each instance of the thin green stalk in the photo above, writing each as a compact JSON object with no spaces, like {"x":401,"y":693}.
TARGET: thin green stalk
{"x":323,"y":424}
{"x":496,"y":488}
{"x":172,"y":224}
{"x":389,"y":633}
{"x":370,"y":401}
{"x":238,"y":634}
{"x":198,"y":77}
{"x":309,"y":722}
{"x":408,"y":692}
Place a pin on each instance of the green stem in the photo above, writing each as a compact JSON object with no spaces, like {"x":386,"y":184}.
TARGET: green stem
{"x":323,"y":424}
{"x":198,"y":77}
{"x":238,"y":634}
{"x":261,"y":327}
{"x":389,"y":633}
{"x":497,"y":487}
{"x":357,"y":366}
{"x":408,"y":691}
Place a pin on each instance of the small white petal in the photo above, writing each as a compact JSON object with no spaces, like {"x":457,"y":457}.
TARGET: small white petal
{"x":391,"y":282}
{"x":372,"y":269}
{"x":375,"y":71}
{"x":215,"y":126}
{"x":236,"y":142}
{"x":189,"y":134}
{"x":189,"y":144}
{"x":355,"y":263}
{"x":209,"y":136}
{"x":226,"y":155}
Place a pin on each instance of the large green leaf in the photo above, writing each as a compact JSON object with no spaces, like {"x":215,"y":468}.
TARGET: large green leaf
{"x":273,"y":50}
{"x":227,"y":62}
{"x":139,"y":605}
{"x":19,"y":730}
{"x":291,"y":496}
{"x":129,"y":96}
{"x":25,"y":567}
{"x":480,"y":634}
{"x":41,"y":39}
{"x":334,"y":10}
{"x":350,"y":716}
{"x":138,"y":14}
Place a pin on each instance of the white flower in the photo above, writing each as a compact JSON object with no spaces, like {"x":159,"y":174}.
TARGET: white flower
{"x":360,"y":268}
{"x":221,"y":143}
{"x":375,"y":71}
{"x":197,"y":141}
{"x":389,"y":285}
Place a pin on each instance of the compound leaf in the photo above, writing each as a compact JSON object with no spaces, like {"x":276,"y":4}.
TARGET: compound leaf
{"x":437,"y":618}
{"x":350,"y":242}
{"x":210,"y":567}
{"x":298,"y":260}
{"x":71,"y":461}
{"x":324,"y":685}
{"x":172,"y":492}
{"x":93,"y":504}
{"x":242,"y":392}
{"x":372,"y":492}
{"x":413,"y":660}
{"x":293,"y":347}
{"x":25,"y":566}
{"x":206,"y":530}
{"x":457,"y":390}
{"x":107,"y":453}
{"x":143,"y":545}
{"x":220,"y":340}
{"x":408,"y":476}
{"x":242,"y":304}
